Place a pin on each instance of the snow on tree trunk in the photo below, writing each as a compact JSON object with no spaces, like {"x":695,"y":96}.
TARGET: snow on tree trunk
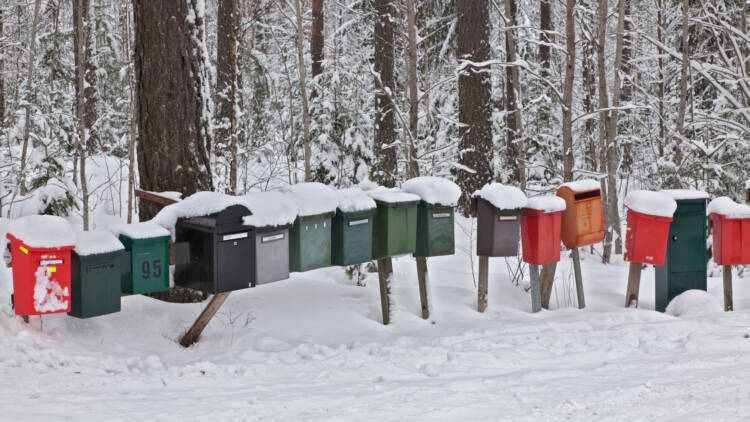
{"x":384,"y":150}
{"x":226,"y":86}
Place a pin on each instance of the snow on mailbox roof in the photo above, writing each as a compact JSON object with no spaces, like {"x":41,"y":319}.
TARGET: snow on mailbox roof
{"x":96,"y":242}
{"x":354,"y":199}
{"x":270,"y":209}
{"x":728,"y":208}
{"x":583,"y":185}
{"x":651,"y":203}
{"x":678,"y":194}
{"x":549,"y":203}
{"x":433,"y":190}
{"x":42,"y":231}
{"x":144,"y":230}
{"x":195,"y":205}
{"x":501,"y":196}
{"x":312,"y":198}
{"x":392,"y":195}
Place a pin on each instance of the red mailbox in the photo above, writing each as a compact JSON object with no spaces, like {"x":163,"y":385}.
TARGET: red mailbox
{"x":41,"y":264}
{"x":541,"y":230}
{"x":731,"y":231}
{"x":649,"y":217}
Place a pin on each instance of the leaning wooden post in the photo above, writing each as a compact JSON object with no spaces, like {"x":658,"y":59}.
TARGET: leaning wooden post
{"x":547,"y":280}
{"x":422,"y":276}
{"x":385,"y":267}
{"x":482,"y":287}
{"x":727,"y":275}
{"x":634,"y":285}
{"x":579,"y":278}
{"x":193,"y":334}
{"x":536,"y":288}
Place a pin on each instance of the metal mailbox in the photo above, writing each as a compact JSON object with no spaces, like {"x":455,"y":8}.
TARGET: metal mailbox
{"x":213,"y":252}
{"x":541,"y":230}
{"x":270,"y":254}
{"x":685,"y":261}
{"x":583,"y":218}
{"x":498,"y":230}
{"x":731,"y":231}
{"x":352,"y":237}
{"x":395,"y":228}
{"x":435,"y":230}
{"x":98,"y":262}
{"x":310,"y":242}
{"x":148,"y":244}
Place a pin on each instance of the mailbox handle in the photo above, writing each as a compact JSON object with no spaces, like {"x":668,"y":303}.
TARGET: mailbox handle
{"x":674,"y":238}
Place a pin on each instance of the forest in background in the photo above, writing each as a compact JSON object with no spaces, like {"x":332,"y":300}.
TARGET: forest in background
{"x":239,"y":95}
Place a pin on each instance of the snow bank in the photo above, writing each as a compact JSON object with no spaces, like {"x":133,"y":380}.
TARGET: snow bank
{"x":354,"y":199}
{"x":42,"y":231}
{"x":678,"y":194}
{"x":549,"y":203}
{"x":270,"y":209}
{"x":651,"y":203}
{"x":392,"y":195}
{"x":367,"y":184}
{"x":501,"y":196}
{"x":728,"y":208}
{"x":433,"y":190}
{"x":96,"y":242}
{"x":583,"y":185}
{"x":312,"y":198}
{"x":693,"y":302}
{"x":195,"y":205}
{"x":145,"y":230}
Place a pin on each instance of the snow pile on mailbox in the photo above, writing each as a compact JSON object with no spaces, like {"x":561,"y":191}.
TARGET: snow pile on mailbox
{"x":144,"y":230}
{"x":312,"y":198}
{"x":42,"y":231}
{"x":584,"y":185}
{"x":680,"y":194}
{"x":651,"y":203}
{"x":433,"y":190}
{"x":726,"y":207}
{"x":196,"y":205}
{"x":502,"y":197}
{"x":354,"y":199}
{"x":548,"y":203}
{"x":96,"y":242}
{"x":391,"y":195}
{"x":269,"y":209}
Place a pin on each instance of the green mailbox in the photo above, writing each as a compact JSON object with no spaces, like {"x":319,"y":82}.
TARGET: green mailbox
{"x":97,"y":264}
{"x":352,"y":227}
{"x":148,"y":244}
{"x":435,"y":228}
{"x":685,"y":264}
{"x":395,"y":229}
{"x":310,"y":236}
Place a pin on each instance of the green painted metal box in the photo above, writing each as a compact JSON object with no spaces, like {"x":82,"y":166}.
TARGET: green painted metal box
{"x":310,"y":243}
{"x":95,"y":283}
{"x":395,"y":230}
{"x":435,"y":230}
{"x":352,"y":237}
{"x":685,"y":264}
{"x":148,"y":271}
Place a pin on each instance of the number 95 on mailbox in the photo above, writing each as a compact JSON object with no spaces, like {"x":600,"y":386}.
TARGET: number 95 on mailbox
{"x":148,"y":271}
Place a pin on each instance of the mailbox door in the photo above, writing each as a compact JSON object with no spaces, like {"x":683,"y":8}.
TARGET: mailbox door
{"x":314,"y":243}
{"x":402,"y":229}
{"x":95,"y":284}
{"x":435,"y":230}
{"x":271,"y":256}
{"x":54,"y":268}
{"x":149,"y":265}
{"x":352,"y":237}
{"x":233,"y":263}
{"x":687,"y":242}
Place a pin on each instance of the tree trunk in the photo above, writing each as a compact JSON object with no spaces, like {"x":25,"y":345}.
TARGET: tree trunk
{"x":660,"y":38}
{"x":385,"y":134}
{"x":303,"y":88}
{"x":29,"y":97}
{"x":53,"y":62}
{"x":80,"y":64}
{"x":171,"y":87}
{"x":226,"y":87}
{"x":127,"y":53}
{"x":317,"y":40}
{"x":89,"y":88}
{"x":411,"y":75}
{"x":589,"y":86}
{"x":2,"y":77}
{"x":514,"y":129}
{"x":567,"y":112}
{"x":474,"y":96}
{"x":546,"y":37}
{"x":680,"y":125}
{"x":603,"y":121}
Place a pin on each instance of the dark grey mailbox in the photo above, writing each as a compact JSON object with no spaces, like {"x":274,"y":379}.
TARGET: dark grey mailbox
{"x":499,"y":221}
{"x":212,"y":253}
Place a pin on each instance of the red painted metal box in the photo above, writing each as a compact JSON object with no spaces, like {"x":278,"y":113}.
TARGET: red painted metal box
{"x":731,"y":240}
{"x":540,"y":236}
{"x":646,"y":238}
{"x":41,"y":278}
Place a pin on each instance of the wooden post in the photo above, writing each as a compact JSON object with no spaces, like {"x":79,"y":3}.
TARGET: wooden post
{"x":385,"y":268}
{"x":634,"y":285}
{"x":194,"y":333}
{"x":727,"y":275}
{"x":422,"y":276}
{"x":579,"y":279}
{"x":546,"y":281}
{"x":482,"y":287}
{"x":536,"y":288}
{"x":153,"y":197}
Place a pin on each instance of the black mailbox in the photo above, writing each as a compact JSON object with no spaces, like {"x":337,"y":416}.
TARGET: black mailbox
{"x":212,"y":253}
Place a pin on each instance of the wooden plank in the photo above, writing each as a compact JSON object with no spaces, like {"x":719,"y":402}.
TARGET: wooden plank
{"x":536,"y":288}
{"x":579,"y":278}
{"x":546,"y":281}
{"x":385,"y":268}
{"x":728,"y":300}
{"x":634,"y":285}
{"x":482,"y":287}
{"x":153,"y":197}
{"x":422,"y":276}
{"x":194,"y":333}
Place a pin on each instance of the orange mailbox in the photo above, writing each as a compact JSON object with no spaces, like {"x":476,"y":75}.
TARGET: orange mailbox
{"x":583,"y":218}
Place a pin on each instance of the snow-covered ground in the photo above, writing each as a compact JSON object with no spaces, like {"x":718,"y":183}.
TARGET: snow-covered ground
{"x":313,"y":348}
